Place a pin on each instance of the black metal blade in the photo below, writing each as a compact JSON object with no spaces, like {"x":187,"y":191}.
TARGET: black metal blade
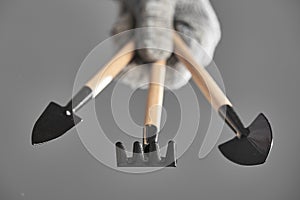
{"x":150,"y":159}
{"x":171,"y":160}
{"x":121,"y":155}
{"x":53,"y":123}
{"x":253,"y":149}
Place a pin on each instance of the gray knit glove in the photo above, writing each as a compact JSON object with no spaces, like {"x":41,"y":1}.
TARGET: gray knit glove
{"x":194,"y":18}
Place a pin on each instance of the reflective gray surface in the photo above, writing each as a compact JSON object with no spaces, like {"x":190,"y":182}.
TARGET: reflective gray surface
{"x":42,"y":44}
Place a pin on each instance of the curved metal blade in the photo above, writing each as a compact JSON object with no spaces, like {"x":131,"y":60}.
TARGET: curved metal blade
{"x":253,"y":149}
{"x":53,"y":123}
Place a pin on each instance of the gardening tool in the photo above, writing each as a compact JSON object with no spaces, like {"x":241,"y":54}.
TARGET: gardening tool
{"x":251,"y":145}
{"x":56,"y":120}
{"x":147,"y":154}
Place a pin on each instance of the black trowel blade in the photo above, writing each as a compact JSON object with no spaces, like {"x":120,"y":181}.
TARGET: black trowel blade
{"x":53,"y":123}
{"x":253,"y":149}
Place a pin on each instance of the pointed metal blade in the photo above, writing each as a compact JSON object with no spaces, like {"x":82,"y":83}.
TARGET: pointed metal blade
{"x":53,"y":123}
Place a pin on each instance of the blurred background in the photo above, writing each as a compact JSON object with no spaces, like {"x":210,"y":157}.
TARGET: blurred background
{"x":42,"y":45}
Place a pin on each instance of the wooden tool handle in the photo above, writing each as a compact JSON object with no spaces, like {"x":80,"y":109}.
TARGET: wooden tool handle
{"x":155,"y":94}
{"x":201,"y":77}
{"x":111,"y":69}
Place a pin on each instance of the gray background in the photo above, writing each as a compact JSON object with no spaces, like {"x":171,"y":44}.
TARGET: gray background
{"x":42,"y":44}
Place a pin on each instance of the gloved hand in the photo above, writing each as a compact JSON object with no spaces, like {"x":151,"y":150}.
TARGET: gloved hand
{"x":194,"y":18}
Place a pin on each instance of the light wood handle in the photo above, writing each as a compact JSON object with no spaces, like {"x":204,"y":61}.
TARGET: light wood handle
{"x":201,"y":77}
{"x":111,"y":69}
{"x":155,"y":94}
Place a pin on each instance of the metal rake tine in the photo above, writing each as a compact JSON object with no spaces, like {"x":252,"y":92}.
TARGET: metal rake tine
{"x":121,"y":154}
{"x":171,"y":155}
{"x":154,"y":153}
{"x":138,"y":153}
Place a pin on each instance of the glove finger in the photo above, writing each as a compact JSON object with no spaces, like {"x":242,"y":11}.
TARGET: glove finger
{"x":196,"y":19}
{"x":136,"y":75}
{"x":177,"y":75}
{"x":155,"y":42}
{"x":125,"y":21}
